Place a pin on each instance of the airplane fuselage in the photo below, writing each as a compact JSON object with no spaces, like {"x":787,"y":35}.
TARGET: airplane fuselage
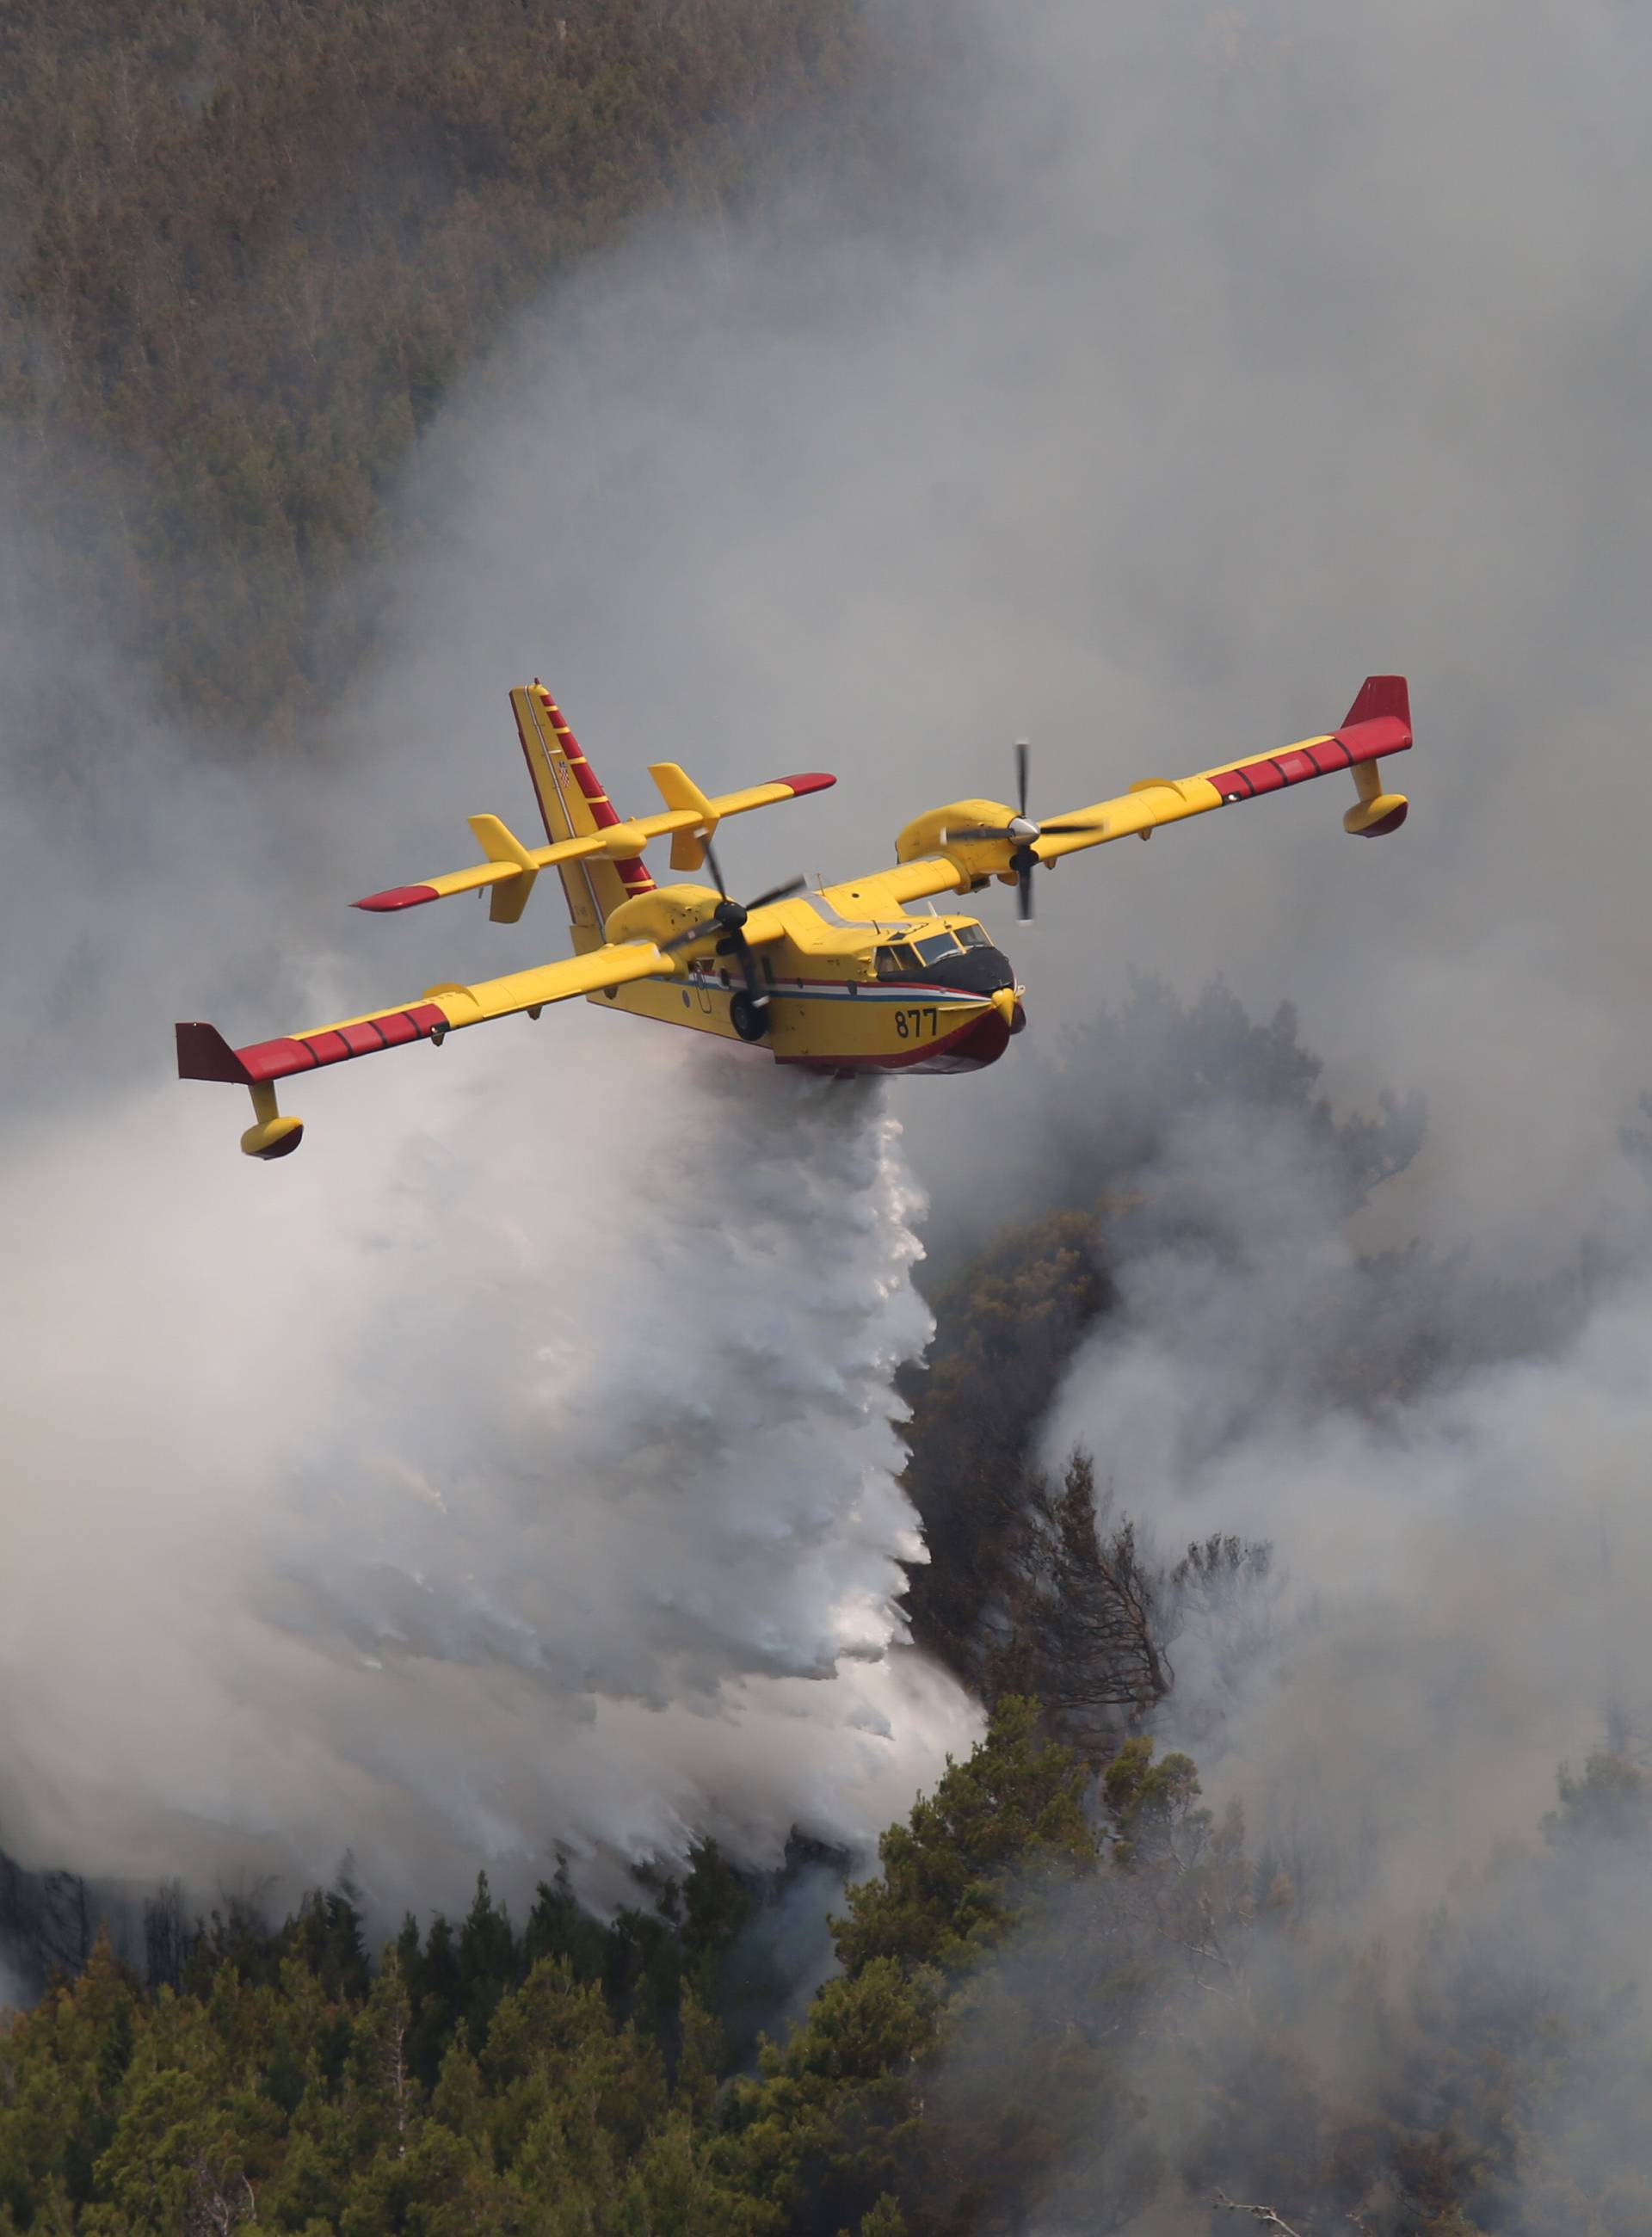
{"x":855,"y":983}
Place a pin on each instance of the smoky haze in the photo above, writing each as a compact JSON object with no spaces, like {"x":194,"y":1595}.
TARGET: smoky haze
{"x":1136,"y":379}
{"x":1144,"y":378}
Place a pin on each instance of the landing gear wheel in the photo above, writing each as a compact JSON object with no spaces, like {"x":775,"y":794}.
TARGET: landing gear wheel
{"x":749,"y":1019}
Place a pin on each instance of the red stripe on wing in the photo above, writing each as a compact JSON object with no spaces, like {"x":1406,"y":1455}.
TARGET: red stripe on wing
{"x":275,"y":1059}
{"x":1368,"y":742}
{"x":1378,"y":722}
{"x":280,"y":1059}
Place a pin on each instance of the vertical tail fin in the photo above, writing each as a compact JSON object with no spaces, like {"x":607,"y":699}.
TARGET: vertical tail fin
{"x":574,"y":805}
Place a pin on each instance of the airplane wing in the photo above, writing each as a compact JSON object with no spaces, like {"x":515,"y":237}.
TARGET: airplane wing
{"x":203,"y":1053}
{"x":1378,"y":724}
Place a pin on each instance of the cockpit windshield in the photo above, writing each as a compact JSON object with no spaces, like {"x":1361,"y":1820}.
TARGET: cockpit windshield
{"x":910,"y":959}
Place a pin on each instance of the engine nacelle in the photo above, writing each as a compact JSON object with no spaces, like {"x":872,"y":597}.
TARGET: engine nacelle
{"x":660,"y":916}
{"x":976,"y":858}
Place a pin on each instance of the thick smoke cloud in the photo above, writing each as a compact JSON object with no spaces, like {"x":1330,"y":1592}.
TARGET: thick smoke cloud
{"x":1137,"y":377}
{"x":1205,"y":360}
{"x":1463,"y":1541}
{"x":518,"y":1474}
{"x":523,"y":1474}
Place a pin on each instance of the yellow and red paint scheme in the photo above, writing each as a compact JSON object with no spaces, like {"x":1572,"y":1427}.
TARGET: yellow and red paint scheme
{"x":854,"y":980}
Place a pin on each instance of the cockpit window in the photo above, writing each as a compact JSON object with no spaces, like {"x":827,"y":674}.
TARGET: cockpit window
{"x":911,"y":957}
{"x":974,"y":935}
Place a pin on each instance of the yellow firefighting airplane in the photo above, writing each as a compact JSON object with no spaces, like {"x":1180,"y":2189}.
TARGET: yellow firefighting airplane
{"x":842,"y":979}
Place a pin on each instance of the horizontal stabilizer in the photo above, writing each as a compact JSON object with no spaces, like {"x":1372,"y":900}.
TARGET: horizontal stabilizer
{"x":688,"y":819}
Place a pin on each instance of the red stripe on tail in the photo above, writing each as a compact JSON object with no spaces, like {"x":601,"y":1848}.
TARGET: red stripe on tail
{"x":634,"y":873}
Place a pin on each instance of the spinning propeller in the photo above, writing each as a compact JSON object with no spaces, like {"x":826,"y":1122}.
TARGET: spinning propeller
{"x":730,"y":915}
{"x":1025,"y":833}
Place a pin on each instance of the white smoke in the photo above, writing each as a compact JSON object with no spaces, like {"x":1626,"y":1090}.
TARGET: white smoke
{"x":1158,"y":372}
{"x":1457,"y":1616}
{"x":512,"y":1469}
{"x":519,"y":1470}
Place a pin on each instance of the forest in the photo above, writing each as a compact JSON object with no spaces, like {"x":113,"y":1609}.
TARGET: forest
{"x":250,"y":247}
{"x":1050,"y":1947}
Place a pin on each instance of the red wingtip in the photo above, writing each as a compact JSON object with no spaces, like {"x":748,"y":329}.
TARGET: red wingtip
{"x":811,"y":781}
{"x":1380,"y":698}
{"x":398,"y":897}
{"x":203,"y":1053}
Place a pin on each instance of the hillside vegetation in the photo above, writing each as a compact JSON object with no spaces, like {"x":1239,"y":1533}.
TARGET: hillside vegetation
{"x":246,"y":245}
{"x":1072,"y":1994}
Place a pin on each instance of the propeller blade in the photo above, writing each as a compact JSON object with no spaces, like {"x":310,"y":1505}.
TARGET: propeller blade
{"x":776,"y":893}
{"x":746,"y":956}
{"x":1024,"y":892}
{"x":979,"y":831}
{"x":707,"y":928}
{"x":1048,"y":830}
{"x":730,"y":937}
{"x":717,"y":874}
{"x":1023,"y":754}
